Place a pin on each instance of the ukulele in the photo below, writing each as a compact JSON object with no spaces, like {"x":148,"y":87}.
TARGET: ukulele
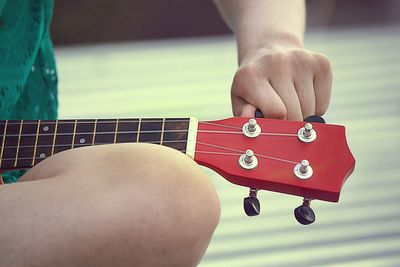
{"x":309,"y":159}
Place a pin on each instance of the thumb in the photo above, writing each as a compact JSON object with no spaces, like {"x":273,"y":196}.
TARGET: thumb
{"x":248,"y":111}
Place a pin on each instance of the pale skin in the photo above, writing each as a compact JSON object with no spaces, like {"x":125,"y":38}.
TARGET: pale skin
{"x":276,"y":73}
{"x":156,"y":207}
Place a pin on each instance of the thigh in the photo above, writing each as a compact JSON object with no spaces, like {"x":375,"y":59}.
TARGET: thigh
{"x":109,"y":205}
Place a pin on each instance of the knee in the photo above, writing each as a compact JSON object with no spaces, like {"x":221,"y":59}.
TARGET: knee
{"x":178,"y":206}
{"x":164,"y":200}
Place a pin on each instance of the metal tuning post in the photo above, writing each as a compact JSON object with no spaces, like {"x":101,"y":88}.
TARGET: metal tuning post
{"x":248,"y":160}
{"x":251,"y":128}
{"x":303,"y":170}
{"x":307,"y":133}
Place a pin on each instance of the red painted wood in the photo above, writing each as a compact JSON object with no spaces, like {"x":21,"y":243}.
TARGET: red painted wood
{"x":329,"y":156}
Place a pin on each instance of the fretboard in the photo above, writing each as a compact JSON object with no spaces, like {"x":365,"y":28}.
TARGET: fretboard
{"x":25,"y":143}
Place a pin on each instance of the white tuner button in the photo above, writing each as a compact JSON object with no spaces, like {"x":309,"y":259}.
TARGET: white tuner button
{"x":251,"y":128}
{"x":303,"y":170}
{"x":248,"y":160}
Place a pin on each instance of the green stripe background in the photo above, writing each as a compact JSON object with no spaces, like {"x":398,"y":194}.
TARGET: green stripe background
{"x":192,"y":77}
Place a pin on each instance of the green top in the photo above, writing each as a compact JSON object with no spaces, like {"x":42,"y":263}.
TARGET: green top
{"x":28,"y":78}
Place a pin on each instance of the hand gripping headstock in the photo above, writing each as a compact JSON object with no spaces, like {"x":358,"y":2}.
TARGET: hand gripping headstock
{"x":307,"y":159}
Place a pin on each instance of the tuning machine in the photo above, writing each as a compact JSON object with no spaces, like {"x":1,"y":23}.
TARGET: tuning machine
{"x":251,"y":204}
{"x":304,"y":213}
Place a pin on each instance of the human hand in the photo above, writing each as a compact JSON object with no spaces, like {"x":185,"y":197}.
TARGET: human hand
{"x":283,"y":82}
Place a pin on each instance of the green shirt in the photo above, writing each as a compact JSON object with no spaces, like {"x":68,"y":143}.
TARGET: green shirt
{"x":28,"y":76}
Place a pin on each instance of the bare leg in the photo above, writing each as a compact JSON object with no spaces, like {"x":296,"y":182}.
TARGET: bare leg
{"x":115,"y":205}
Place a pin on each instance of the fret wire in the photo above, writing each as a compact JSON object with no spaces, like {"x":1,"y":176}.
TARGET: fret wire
{"x":138,"y":131}
{"x":162,"y":131}
{"x":120,"y":132}
{"x":19,"y":141}
{"x":36,"y":141}
{"x":3,"y":142}
{"x":54,"y":139}
{"x":73,"y":135}
{"x":94,"y":134}
{"x":116,"y":130}
{"x":106,"y":121}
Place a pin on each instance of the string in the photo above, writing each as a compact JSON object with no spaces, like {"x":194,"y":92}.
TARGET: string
{"x":220,"y":125}
{"x":88,"y":144}
{"x":269,"y":134}
{"x":97,"y":133}
{"x":10,"y":122}
{"x":18,"y":159}
{"x":242,"y":152}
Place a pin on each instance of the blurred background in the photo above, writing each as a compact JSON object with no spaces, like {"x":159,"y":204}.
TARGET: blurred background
{"x":176,"y":58}
{"x":89,"y":21}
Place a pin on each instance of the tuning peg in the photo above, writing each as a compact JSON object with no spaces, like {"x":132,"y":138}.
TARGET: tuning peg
{"x":314,"y":118}
{"x":303,"y":213}
{"x":258,"y":114}
{"x":251,"y":204}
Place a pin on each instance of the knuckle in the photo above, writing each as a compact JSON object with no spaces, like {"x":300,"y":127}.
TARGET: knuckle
{"x":323,"y":62}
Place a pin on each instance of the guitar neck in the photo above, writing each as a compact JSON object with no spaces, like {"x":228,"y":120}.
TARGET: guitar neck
{"x":25,"y":143}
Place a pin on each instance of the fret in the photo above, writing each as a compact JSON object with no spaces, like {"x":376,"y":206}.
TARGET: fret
{"x":150,"y":131}
{"x":176,"y":130}
{"x":116,"y":130}
{"x":105,"y":131}
{"x":45,"y":140}
{"x":74,"y":134}
{"x":3,"y":129}
{"x":10,"y":144}
{"x":94,"y":132}
{"x":138,"y":131}
{"x":127,"y":130}
{"x":25,"y":152}
{"x":54,"y":137}
{"x":19,"y":141}
{"x":36,"y":142}
{"x":63,"y":135}
{"x":162,"y":131}
{"x":84,"y":135}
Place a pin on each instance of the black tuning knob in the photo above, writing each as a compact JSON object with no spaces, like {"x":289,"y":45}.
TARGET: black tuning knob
{"x":304,"y":214}
{"x":314,"y":118}
{"x":258,"y":114}
{"x":251,"y":204}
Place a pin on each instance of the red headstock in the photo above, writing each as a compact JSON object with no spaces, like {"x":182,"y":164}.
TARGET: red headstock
{"x":278,"y":149}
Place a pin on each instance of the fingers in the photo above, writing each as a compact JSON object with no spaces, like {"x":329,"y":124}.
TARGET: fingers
{"x":322,"y":85}
{"x":249,"y":91}
{"x":284,"y":87}
{"x":304,"y":86}
{"x":292,"y":86}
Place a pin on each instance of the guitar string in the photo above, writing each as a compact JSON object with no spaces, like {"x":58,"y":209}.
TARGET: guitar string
{"x":99,"y":121}
{"x":175,"y":141}
{"x":202,"y":152}
{"x":233,"y":154}
{"x":144,"y":132}
{"x":242,"y":152}
{"x":88,"y":144}
{"x":60,"y":151}
{"x":220,"y":125}
{"x":97,"y":133}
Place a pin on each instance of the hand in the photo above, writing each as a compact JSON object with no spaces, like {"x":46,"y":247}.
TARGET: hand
{"x":283,"y":82}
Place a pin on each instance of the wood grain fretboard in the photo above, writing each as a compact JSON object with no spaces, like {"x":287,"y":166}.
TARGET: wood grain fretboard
{"x":25,"y":143}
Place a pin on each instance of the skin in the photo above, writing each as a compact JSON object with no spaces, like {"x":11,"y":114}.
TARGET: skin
{"x":87,"y":207}
{"x":276,"y":73}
